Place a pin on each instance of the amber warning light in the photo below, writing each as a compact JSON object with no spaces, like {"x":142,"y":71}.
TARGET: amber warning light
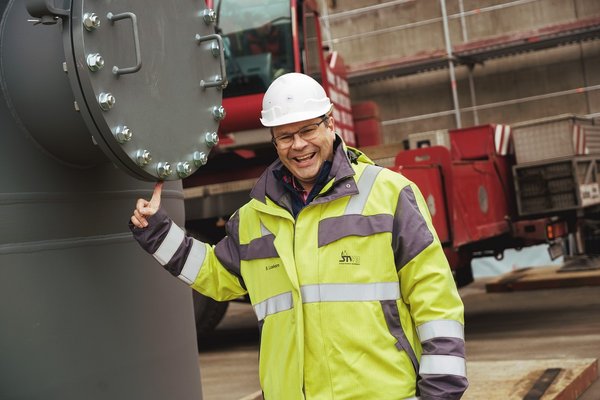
{"x":556,"y":229}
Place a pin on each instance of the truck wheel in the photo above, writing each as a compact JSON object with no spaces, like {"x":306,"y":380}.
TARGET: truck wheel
{"x":208,"y":313}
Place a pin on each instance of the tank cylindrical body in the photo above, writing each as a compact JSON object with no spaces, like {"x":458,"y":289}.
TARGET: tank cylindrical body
{"x":85,"y":313}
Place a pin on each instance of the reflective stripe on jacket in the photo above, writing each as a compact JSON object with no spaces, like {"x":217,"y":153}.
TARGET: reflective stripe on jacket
{"x":354,"y":297}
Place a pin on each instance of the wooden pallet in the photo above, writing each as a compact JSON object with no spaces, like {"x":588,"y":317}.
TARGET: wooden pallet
{"x":543,"y":278}
{"x":507,"y":380}
{"x":514,"y":380}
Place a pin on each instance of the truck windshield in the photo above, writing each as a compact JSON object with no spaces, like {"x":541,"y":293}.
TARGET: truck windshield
{"x":258,"y":43}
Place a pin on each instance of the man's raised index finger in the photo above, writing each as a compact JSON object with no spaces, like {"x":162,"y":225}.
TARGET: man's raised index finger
{"x":157,"y":193}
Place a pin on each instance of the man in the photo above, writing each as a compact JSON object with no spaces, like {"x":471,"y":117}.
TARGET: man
{"x":353,"y":294}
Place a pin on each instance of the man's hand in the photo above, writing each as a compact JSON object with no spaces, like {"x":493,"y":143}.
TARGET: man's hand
{"x":144,"y":208}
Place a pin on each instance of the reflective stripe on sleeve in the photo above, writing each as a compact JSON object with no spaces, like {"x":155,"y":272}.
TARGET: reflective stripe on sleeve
{"x":169,"y":245}
{"x":442,"y":365}
{"x":193,"y":262}
{"x":350,"y":292}
{"x":440,"y":328}
{"x":272,"y":305}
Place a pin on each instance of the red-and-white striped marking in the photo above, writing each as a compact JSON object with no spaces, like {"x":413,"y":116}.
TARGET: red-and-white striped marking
{"x":502,"y":140}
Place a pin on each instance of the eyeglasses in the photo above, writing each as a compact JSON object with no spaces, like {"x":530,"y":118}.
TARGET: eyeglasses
{"x":307,"y":132}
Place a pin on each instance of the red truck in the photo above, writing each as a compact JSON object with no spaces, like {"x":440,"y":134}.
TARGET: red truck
{"x":495,"y":187}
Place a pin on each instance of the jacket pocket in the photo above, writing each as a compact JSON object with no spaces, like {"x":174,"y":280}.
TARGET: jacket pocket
{"x":392,"y":319}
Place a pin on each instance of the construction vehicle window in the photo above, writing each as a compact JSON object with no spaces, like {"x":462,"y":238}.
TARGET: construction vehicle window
{"x":258,"y":43}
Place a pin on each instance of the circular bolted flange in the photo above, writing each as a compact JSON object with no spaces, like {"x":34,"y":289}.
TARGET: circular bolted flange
{"x":184,"y":169}
{"x":91,"y":21}
{"x":95,"y":61}
{"x":209,"y":16}
{"x":218,"y":113}
{"x":143,"y":157}
{"x":211,"y":139}
{"x":92,"y":43}
{"x":106,"y":101}
{"x":200,"y":158}
{"x":123,"y":134}
{"x":163,"y":169}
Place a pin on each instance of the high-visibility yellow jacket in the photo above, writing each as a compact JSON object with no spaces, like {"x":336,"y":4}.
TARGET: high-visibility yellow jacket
{"x":354,"y":296}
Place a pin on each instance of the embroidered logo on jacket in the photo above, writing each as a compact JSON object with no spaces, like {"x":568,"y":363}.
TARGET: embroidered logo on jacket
{"x":268,"y":267}
{"x":346,"y":259}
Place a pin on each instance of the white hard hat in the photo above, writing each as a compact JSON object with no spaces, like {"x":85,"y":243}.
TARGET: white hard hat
{"x":293,"y":98}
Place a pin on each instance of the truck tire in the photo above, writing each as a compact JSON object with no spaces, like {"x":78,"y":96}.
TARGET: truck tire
{"x":208,"y":313}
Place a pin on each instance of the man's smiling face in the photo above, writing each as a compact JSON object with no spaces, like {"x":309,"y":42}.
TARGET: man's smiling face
{"x":305,"y":156}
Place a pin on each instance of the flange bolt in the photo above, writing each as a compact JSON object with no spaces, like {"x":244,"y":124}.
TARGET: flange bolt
{"x":218,"y":113}
{"x":123,"y":134}
{"x":209,"y":16}
{"x":211,"y":139}
{"x":106,"y":101}
{"x":91,"y":21}
{"x":200,"y":158}
{"x":95,"y":61}
{"x":163,"y":169}
{"x":143,"y":157}
{"x":184,"y":169}
{"x":215,"y":49}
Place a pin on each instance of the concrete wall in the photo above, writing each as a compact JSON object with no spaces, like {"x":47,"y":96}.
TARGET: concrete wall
{"x":406,"y":101}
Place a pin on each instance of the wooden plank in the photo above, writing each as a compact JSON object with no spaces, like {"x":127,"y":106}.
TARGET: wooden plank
{"x":543,"y":278}
{"x":542,"y":384}
{"x":508,"y":380}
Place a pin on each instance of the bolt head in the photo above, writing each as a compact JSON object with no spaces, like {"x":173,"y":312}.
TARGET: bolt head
{"x":106,"y":101}
{"x":123,"y":134}
{"x":184,"y":169}
{"x":143,"y":157}
{"x":209,"y":16}
{"x":163,"y":169}
{"x":200,"y":158}
{"x":215,"y":49}
{"x":91,"y":21}
{"x":95,"y":61}
{"x":211,"y":139}
{"x":219,"y":113}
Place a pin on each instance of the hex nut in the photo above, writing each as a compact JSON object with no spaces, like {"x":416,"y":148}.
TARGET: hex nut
{"x":209,"y":16}
{"x":215,"y":49}
{"x":163,"y":169}
{"x":143,"y":157}
{"x":200,"y":158}
{"x":123,"y":134}
{"x":106,"y":101}
{"x":91,"y":21}
{"x":95,"y":61}
{"x":211,"y":139}
{"x":184,"y":169}
{"x":219,"y":113}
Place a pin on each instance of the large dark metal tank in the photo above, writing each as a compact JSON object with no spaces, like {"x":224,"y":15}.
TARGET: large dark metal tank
{"x":99,"y":98}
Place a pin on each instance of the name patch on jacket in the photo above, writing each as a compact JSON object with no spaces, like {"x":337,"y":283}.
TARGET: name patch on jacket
{"x":268,"y":267}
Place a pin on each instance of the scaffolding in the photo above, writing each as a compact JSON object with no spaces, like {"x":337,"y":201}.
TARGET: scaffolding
{"x":469,"y":53}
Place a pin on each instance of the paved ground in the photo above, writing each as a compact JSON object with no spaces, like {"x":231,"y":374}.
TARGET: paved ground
{"x":533,"y":325}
